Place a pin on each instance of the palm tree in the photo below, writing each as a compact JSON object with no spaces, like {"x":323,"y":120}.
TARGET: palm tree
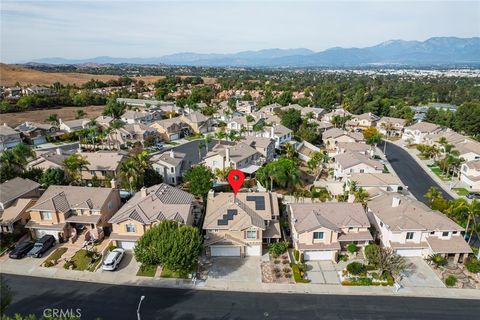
{"x":73,"y":167}
{"x":128,"y":173}
{"x":433,"y":193}
{"x":462,"y":210}
{"x":291,"y":151}
{"x":201,"y":145}
{"x":336,"y":120}
{"x":361,"y":196}
{"x":208,"y":140}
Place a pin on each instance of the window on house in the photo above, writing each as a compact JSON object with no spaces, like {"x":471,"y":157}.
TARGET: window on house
{"x":110,"y":205}
{"x":317,"y":235}
{"x":409,"y":235}
{"x":445,"y":234}
{"x":454,"y":232}
{"x":362,"y":170}
{"x":251,"y":234}
{"x":46,"y":215}
{"x":172,"y":169}
{"x":381,"y":224}
{"x":130,"y":227}
{"x":433,"y":232}
{"x":350,"y":228}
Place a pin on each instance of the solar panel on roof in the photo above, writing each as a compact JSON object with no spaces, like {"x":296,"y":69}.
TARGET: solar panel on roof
{"x":222,"y":222}
{"x":259,"y":202}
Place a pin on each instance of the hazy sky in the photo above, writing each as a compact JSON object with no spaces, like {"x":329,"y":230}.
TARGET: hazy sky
{"x":85,"y":29}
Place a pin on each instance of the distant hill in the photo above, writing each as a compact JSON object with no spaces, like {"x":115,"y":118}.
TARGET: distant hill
{"x":434,"y":51}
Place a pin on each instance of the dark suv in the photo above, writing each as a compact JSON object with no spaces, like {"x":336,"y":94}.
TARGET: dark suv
{"x":21,"y":250}
{"x":41,"y":246}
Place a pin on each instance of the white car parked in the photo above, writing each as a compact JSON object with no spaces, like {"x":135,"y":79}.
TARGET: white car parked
{"x":113,"y":259}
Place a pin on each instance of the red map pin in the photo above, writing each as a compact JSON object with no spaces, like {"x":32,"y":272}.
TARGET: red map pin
{"x":236,"y":178}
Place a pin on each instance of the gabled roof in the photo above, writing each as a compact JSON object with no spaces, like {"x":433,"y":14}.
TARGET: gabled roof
{"x":157,"y":203}
{"x":425,"y":127}
{"x":410,"y":214}
{"x":65,"y":198}
{"x":238,"y":152}
{"x":225,"y":211}
{"x":166,"y":157}
{"x":375,"y":179}
{"x":350,"y":159}
{"x":195,"y":117}
{"x":330,"y":215}
{"x":102,"y":160}
{"x":15,"y":188}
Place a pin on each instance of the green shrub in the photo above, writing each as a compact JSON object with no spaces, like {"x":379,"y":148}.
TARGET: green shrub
{"x":473,"y":265}
{"x":437,"y":260}
{"x":364,"y":281}
{"x":389,"y":278}
{"x":342,"y":257}
{"x":356,"y":268}
{"x":297,"y":274}
{"x":277,"y":248}
{"x":352,"y":248}
{"x":48,"y":264}
{"x":302,"y":258}
{"x":296,"y":255}
{"x":111,"y":246}
{"x":372,"y":252}
{"x":451,"y":280}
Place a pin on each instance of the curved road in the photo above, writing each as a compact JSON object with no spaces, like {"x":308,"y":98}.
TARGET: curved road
{"x":34,"y":295}
{"x":411,"y":173}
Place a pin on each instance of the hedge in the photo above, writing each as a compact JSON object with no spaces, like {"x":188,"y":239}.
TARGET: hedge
{"x":296,"y":274}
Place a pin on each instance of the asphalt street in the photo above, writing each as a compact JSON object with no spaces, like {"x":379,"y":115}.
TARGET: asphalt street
{"x":411,"y":173}
{"x":100,"y":301}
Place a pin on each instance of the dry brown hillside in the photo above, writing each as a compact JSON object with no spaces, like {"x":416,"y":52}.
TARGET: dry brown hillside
{"x":10,"y":74}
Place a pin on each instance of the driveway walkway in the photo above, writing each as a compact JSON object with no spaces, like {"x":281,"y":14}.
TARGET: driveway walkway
{"x":236,"y":269}
{"x":322,"y":272}
{"x":419,"y":274}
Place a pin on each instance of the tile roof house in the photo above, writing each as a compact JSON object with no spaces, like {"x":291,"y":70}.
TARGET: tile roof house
{"x":277,"y":132}
{"x":414,"y":230}
{"x":332,"y":137}
{"x":265,"y":146}
{"x":150,"y":206}
{"x":50,"y":159}
{"x":451,"y":136}
{"x":382,"y":181}
{"x":171,"y":165}
{"x":197,"y":122}
{"x":470,"y":174}
{"x":73,"y":125}
{"x":348,"y":163}
{"x":132,"y":133}
{"x":9,"y":138}
{"x":364,"y":120}
{"x":142,"y":116}
{"x":246,"y":107}
{"x":170,"y":129}
{"x":16,"y":196}
{"x":321,"y":230}
{"x":61,"y":208}
{"x":239,"y":156}
{"x":418,"y":132}
{"x":239,"y":225}
{"x":36,"y":133}
{"x":337,"y":112}
{"x":354,"y":147}
{"x":469,"y":150}
{"x":391,"y":126}
{"x":103,"y":165}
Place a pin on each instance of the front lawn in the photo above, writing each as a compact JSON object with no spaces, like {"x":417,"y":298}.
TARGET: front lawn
{"x":166,"y":273}
{"x":461,"y":191}
{"x":54,"y":257}
{"x":83,"y":260}
{"x":439,"y":173}
{"x":147,"y":271}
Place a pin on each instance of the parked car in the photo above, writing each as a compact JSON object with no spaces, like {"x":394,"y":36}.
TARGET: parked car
{"x":21,"y":250}
{"x":473,"y":195}
{"x":41,"y":246}
{"x":113,"y":259}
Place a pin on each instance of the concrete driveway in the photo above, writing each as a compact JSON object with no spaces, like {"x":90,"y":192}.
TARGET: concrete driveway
{"x":322,"y":272}
{"x":27,"y":263}
{"x":236,"y":269}
{"x":420,"y":274}
{"x":128,"y":266}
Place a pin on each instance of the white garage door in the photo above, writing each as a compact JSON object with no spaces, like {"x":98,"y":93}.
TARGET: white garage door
{"x":410,"y":252}
{"x":253,"y":250}
{"x":318,"y":255}
{"x":225,"y":251}
{"x":127,"y":245}
{"x":40,"y":233}
{"x":174,"y":136}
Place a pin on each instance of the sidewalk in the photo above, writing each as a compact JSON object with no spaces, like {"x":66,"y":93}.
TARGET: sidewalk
{"x":116,"y":278}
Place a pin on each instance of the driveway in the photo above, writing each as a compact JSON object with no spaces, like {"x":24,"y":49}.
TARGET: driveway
{"x":236,"y":269}
{"x":420,"y":274}
{"x":323,"y":272}
{"x":411,"y":173}
{"x":128,"y":266}
{"x":26,"y":264}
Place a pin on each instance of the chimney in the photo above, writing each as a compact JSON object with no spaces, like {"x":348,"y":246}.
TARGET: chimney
{"x":143,"y":192}
{"x":113,"y":184}
{"x":172,"y":154}
{"x":227,"y":156}
{"x":395,"y":202}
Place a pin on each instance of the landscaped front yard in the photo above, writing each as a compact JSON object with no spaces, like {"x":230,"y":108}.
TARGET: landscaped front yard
{"x":436,"y":169}
{"x":83,"y":260}
{"x":147,"y":271}
{"x":54,"y":257}
{"x":461,"y":191}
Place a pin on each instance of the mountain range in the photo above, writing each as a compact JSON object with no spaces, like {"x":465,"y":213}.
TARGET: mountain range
{"x":435,"y":51}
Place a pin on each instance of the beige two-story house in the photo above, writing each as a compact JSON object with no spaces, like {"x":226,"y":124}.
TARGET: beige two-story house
{"x":61,"y":210}
{"x":150,"y":206}
{"x":238,"y":226}
{"x":321,"y":230}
